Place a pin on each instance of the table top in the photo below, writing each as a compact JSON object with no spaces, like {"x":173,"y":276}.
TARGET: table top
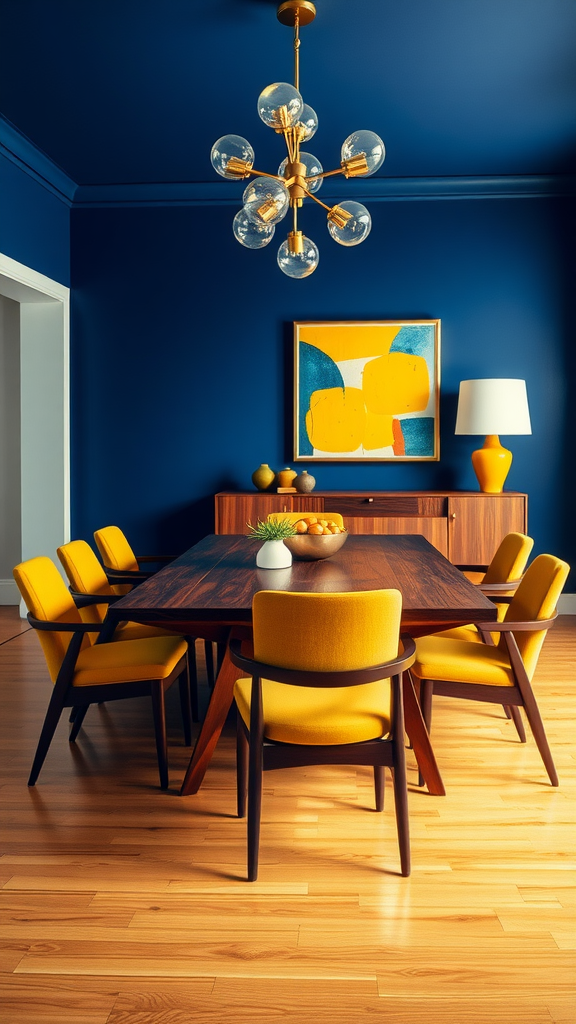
{"x":215,"y":581}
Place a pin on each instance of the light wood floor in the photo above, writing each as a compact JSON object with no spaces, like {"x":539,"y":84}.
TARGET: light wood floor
{"x":125,"y":905}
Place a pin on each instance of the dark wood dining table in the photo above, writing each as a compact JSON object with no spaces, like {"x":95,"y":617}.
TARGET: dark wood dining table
{"x":207,"y":592}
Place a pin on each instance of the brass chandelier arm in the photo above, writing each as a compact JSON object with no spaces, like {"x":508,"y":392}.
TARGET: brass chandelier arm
{"x":264,"y":174}
{"x":319,"y":201}
{"x":326,"y":174}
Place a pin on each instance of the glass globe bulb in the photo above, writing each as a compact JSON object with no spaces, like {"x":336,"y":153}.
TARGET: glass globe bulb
{"x":280,"y":105}
{"x":307,"y":123}
{"x":253,"y":236}
{"x":356,"y":228}
{"x":266,"y":201}
{"x":366,"y":144}
{"x":312,"y":165}
{"x":298,"y":264}
{"x":232,"y":151}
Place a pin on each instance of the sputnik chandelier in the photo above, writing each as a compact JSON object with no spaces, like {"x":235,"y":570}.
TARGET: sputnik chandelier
{"x":269,"y":196}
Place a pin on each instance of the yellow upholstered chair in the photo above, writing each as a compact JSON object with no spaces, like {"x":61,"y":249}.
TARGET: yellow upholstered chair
{"x":294,"y":517}
{"x":84,"y":673}
{"x":124,"y":567}
{"x":88,"y":581}
{"x":326,"y":688}
{"x":500,"y":578}
{"x":499,"y":674}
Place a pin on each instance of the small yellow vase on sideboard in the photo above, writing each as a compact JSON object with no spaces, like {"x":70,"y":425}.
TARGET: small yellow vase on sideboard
{"x":263,"y":477}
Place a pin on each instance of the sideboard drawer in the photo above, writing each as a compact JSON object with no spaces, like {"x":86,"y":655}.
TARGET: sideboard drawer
{"x":365,"y":505}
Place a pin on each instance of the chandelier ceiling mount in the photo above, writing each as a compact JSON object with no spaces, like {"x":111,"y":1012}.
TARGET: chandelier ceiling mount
{"x":268,"y":197}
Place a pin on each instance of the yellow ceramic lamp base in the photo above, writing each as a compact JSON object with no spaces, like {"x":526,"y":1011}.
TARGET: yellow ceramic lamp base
{"x":492,"y":464}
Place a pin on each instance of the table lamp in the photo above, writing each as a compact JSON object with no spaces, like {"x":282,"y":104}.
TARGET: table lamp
{"x":492,"y":407}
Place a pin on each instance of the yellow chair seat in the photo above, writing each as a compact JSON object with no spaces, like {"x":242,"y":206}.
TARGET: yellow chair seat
{"x":318,"y":717}
{"x":129,"y":661}
{"x":456,"y":661}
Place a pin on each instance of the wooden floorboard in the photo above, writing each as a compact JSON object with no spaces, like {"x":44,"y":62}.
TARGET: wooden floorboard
{"x":122,"y":904}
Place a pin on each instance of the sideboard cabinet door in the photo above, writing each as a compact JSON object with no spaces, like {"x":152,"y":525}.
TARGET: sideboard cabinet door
{"x":478,"y":522}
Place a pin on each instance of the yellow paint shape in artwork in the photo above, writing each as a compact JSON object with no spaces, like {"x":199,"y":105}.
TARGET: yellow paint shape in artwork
{"x":395,"y":384}
{"x":378,"y":432}
{"x":335,"y":420}
{"x":350,"y":341}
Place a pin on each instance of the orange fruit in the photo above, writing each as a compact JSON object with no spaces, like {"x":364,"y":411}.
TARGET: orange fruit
{"x":327,"y":531}
{"x":301,"y":526}
{"x":323,"y":522}
{"x":316,"y":530}
{"x":311,"y":520}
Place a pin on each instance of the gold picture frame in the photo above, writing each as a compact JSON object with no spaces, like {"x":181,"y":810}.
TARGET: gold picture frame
{"x":367,"y":391}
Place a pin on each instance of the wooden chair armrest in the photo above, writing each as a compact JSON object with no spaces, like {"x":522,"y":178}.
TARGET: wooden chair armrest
{"x":503,"y":589}
{"x":65,"y":627}
{"x":84,"y":600}
{"x":515,"y":627}
{"x":132,"y":576}
{"x":352,"y":677}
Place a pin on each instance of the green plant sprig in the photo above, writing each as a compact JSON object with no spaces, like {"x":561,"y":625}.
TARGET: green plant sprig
{"x":271,"y":529}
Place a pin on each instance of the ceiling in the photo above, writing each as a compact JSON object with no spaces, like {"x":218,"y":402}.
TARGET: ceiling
{"x":129,"y":91}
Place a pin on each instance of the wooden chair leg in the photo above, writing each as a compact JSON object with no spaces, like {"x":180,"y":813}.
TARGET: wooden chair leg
{"x":517,"y":719}
{"x":159,"y":713}
{"x":507,"y":711}
{"x":209,"y":655}
{"x":255,"y":769}
{"x":185,"y":707}
{"x":537,"y":726}
{"x":426,"y":694}
{"x":241,"y":765}
{"x":77,"y":723}
{"x":400,"y":783}
{"x":48,"y":729}
{"x":379,"y":785}
{"x":193,"y":673}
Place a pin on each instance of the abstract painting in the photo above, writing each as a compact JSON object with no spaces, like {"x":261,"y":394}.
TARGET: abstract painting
{"x":367,"y":392}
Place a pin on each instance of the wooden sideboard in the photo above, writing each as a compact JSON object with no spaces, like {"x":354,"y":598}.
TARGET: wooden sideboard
{"x":466,"y":526}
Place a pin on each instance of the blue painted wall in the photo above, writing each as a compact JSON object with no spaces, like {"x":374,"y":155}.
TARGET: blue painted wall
{"x":182,"y":352}
{"x":34,"y":224}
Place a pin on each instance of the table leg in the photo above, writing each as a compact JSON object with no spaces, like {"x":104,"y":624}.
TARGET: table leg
{"x":420,"y":740}
{"x":218,"y":708}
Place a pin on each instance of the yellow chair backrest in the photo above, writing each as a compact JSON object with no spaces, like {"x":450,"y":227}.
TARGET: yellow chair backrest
{"x":115,"y":549}
{"x":510,"y":559}
{"x":294,"y":517}
{"x":326,"y":632}
{"x":86,"y":576}
{"x":536,"y":598}
{"x":47,"y":597}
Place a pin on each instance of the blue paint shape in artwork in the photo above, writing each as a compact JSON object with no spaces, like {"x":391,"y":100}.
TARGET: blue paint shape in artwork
{"x":419,"y":436}
{"x":415,"y":339}
{"x":317,"y":371}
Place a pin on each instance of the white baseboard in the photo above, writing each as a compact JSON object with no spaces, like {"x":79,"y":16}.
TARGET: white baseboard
{"x":567,"y":604}
{"x":9,"y":593}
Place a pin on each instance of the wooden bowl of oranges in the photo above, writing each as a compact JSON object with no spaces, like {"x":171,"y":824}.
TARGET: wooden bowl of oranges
{"x":316,"y":537}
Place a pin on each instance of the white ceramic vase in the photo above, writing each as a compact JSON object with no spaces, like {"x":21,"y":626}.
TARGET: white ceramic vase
{"x":274,"y":555}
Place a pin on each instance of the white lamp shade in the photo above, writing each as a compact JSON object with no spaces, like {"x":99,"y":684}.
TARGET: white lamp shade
{"x":493,"y":406}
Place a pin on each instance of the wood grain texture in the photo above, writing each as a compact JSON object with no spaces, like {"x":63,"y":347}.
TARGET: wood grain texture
{"x":120,"y":904}
{"x":466,"y":526}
